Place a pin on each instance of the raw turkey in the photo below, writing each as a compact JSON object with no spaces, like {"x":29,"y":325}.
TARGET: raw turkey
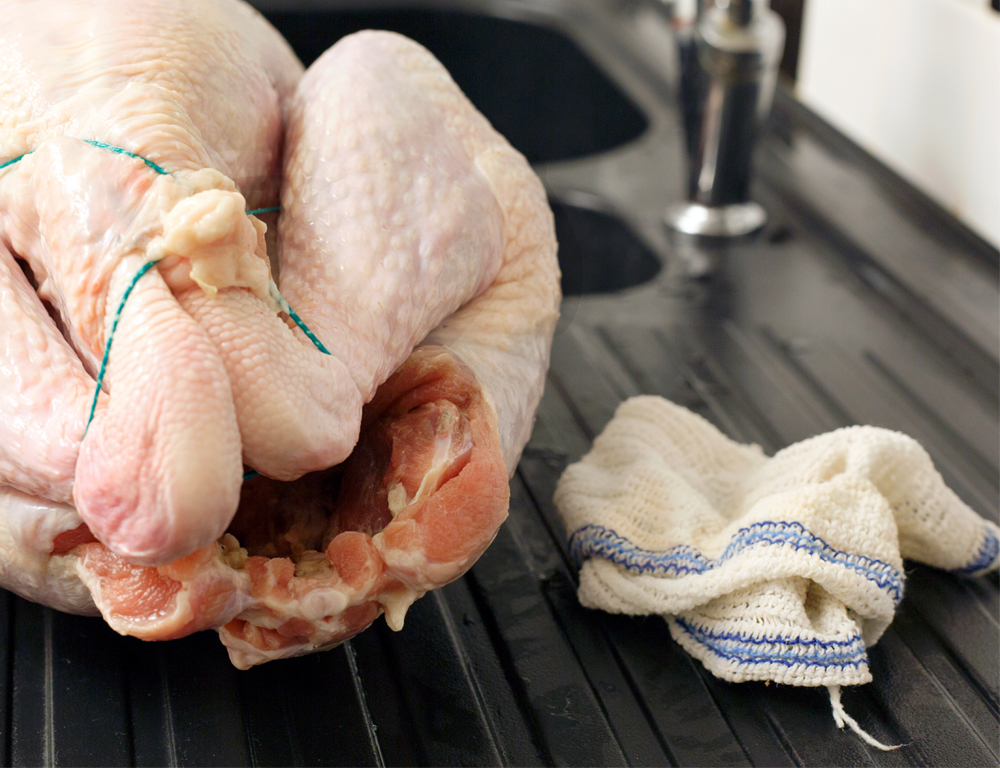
{"x":415,"y":244}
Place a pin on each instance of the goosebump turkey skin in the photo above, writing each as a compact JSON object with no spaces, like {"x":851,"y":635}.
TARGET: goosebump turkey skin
{"x":415,"y":243}
{"x":159,"y":474}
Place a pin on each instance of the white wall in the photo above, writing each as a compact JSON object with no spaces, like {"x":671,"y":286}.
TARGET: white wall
{"x":916,"y":83}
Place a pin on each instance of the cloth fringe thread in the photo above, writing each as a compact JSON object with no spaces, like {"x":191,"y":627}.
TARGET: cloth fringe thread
{"x":840,"y":717}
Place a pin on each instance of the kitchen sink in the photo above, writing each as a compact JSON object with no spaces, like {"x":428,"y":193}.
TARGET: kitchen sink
{"x":599,"y":253}
{"x":532,"y":82}
{"x":859,"y":302}
{"x":540,"y":90}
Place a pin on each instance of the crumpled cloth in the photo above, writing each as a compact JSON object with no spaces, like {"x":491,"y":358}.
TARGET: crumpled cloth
{"x":784,"y":568}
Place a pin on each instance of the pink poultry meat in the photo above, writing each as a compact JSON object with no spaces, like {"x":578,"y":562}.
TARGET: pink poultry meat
{"x":416,"y":244}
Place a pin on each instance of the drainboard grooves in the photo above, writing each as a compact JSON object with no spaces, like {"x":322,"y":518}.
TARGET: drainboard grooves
{"x":740,"y":711}
{"x":791,"y":355}
{"x":435,"y":692}
{"x":869,"y":399}
{"x":781,"y":396}
{"x":48,"y":726}
{"x":734,"y":413}
{"x":969,"y":702}
{"x":867,"y":705}
{"x":370,"y":729}
{"x":974,"y":456}
{"x":382,"y":674}
{"x":929,"y":725}
{"x":848,"y":208}
{"x":532,"y":741}
{"x":786,"y":726}
{"x":964,"y":615}
{"x":649,"y":359}
{"x":482,"y":712}
{"x":66,"y":682}
{"x":541,"y":465}
{"x":269,"y":718}
{"x":169,"y":731}
{"x":731,"y":728}
{"x":439,"y":693}
{"x":621,"y":699}
{"x":321,"y":691}
{"x":491,"y":673}
{"x":563,"y":706}
{"x":27,"y":689}
{"x":591,"y":389}
{"x":202,"y":693}
{"x":302,"y":711}
{"x":971,"y":411}
{"x":150,"y":718}
{"x":6,"y":673}
{"x":714,"y":393}
{"x":584,"y":631}
{"x":689,"y":725}
{"x":686,"y":716}
{"x":801,"y":721}
{"x":888,"y":397}
{"x":85,"y":693}
{"x":601,"y":360}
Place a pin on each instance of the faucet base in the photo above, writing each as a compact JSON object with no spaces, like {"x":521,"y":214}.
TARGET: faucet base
{"x":715,"y":221}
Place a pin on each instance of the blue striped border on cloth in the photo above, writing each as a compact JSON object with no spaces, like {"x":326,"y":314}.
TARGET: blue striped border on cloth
{"x":680,"y":560}
{"x":789,"y":651}
{"x":987,"y":552}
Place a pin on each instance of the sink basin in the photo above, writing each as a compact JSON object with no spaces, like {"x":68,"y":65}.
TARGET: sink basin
{"x":533,"y":83}
{"x":598,"y":253}
{"x":540,"y":91}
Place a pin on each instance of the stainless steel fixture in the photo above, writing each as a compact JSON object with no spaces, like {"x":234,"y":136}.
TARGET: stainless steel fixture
{"x":728,"y":71}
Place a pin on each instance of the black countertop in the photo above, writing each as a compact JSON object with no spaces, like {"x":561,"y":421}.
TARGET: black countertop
{"x":860,"y":302}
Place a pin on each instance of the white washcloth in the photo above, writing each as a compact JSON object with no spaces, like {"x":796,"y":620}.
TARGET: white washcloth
{"x":782,"y":568}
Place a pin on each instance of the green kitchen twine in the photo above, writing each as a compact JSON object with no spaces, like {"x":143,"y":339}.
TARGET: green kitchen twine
{"x":107,"y":347}
{"x":11,"y":162}
{"x":273,"y":289}
{"x":278,"y":298}
{"x":100,"y":145}
{"x":120,"y":151}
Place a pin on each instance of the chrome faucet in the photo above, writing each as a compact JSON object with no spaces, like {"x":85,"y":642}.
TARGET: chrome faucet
{"x":729,"y":68}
